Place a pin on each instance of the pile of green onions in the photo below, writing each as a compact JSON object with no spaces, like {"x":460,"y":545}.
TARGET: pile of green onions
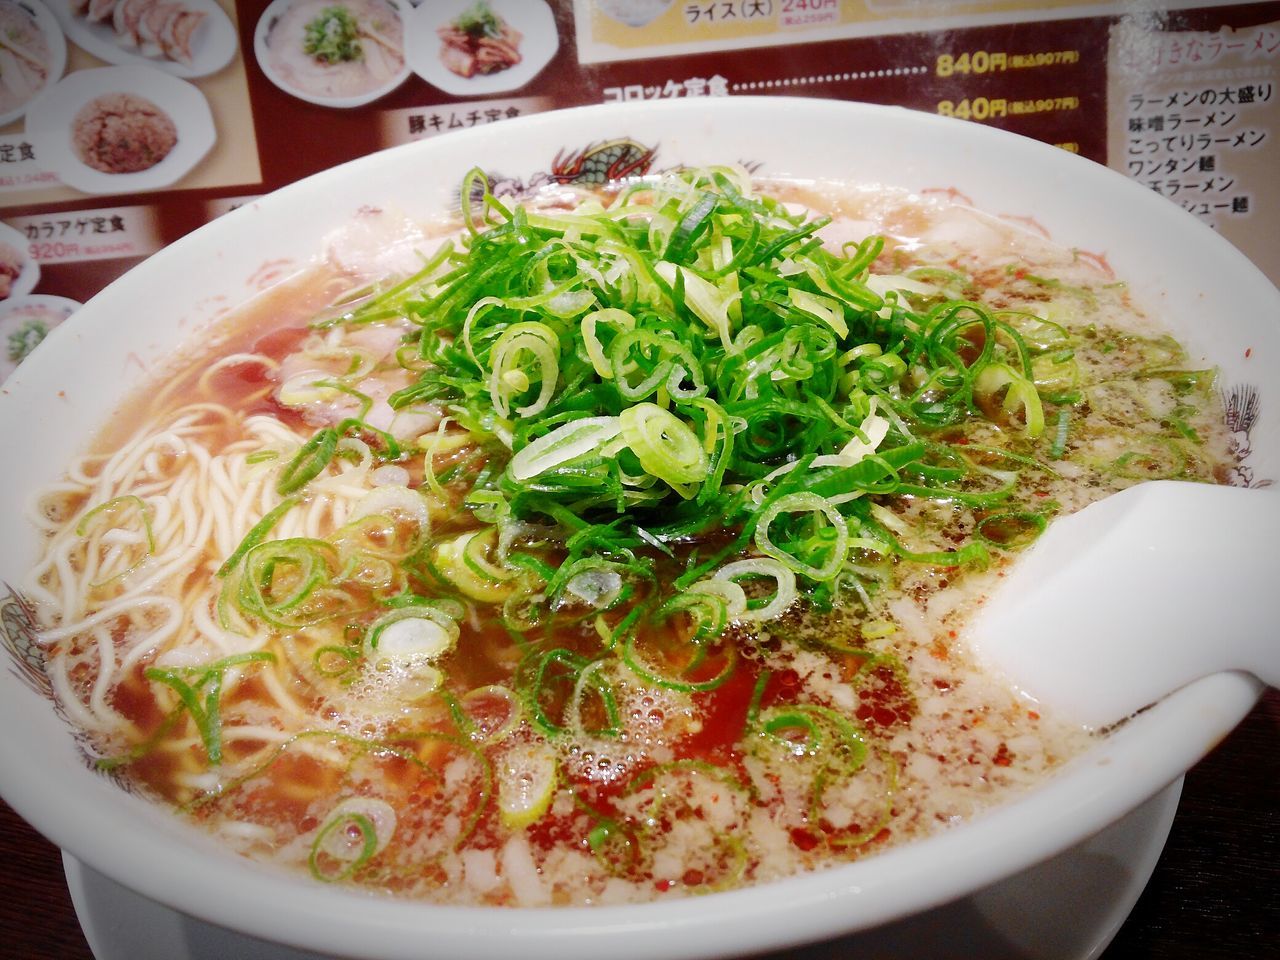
{"x":682,"y":373}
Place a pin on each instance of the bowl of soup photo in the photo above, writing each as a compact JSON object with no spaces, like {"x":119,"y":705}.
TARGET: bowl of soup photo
{"x":558,"y":537}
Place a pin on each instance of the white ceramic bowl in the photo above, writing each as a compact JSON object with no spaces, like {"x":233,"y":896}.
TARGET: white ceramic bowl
{"x":1207,"y":292}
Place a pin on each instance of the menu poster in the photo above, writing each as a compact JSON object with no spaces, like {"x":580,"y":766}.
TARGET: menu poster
{"x":125,"y":124}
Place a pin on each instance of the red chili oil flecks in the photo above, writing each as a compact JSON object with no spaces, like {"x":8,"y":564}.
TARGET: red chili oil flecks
{"x":884,"y":699}
{"x":804,"y":838}
{"x":724,"y":712}
{"x":549,"y":831}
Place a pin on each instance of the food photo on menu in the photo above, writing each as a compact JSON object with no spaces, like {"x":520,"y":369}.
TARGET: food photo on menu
{"x":188,"y":38}
{"x":32,"y":55}
{"x":19,"y":271}
{"x":25,"y":317}
{"x":337,"y":54}
{"x":122,"y":129}
{"x":479,"y":41}
{"x":157,"y":28}
{"x":104,"y":97}
{"x":634,"y":13}
{"x":11,"y":262}
{"x":122,"y":133}
{"x":470,"y":48}
{"x":24,"y":323}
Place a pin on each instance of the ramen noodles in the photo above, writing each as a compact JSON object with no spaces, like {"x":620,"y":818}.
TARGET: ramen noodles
{"x":617,"y":550}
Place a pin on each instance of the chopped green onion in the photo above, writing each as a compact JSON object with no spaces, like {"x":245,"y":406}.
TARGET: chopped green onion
{"x":665,"y":445}
{"x":527,"y":781}
{"x":355,"y":831}
{"x":828,"y":544}
{"x":563,"y":444}
{"x":205,"y":713}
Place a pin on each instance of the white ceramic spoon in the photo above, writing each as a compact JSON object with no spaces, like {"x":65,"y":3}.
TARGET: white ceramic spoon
{"x":1136,"y":595}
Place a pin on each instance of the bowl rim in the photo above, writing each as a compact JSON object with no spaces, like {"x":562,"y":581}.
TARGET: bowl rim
{"x":809,"y":907}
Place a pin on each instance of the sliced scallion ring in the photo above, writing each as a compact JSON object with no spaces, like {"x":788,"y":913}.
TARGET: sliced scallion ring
{"x":665,"y":445}
{"x":410,"y":634}
{"x":835,"y":550}
{"x":466,"y":562}
{"x":532,"y":343}
{"x":784,"y":576}
{"x":565,"y":443}
{"x":526,"y":775}
{"x":355,"y":831}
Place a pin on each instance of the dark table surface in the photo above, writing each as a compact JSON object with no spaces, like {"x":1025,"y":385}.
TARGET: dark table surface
{"x":1215,"y":894}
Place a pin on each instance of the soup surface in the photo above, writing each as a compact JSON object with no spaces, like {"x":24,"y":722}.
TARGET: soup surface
{"x":607,"y":547}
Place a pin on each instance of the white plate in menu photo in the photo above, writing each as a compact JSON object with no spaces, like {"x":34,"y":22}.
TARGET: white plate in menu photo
{"x":211,"y":44}
{"x":634,"y":13}
{"x":532,"y":19}
{"x":53,"y":118}
{"x":278,"y":45}
{"x":35,"y":57}
{"x":24,"y":323}
{"x":15,"y":255}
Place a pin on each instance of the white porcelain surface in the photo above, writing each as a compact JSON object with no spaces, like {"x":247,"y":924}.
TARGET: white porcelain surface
{"x":1154,"y":641}
{"x":1208,"y":293}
